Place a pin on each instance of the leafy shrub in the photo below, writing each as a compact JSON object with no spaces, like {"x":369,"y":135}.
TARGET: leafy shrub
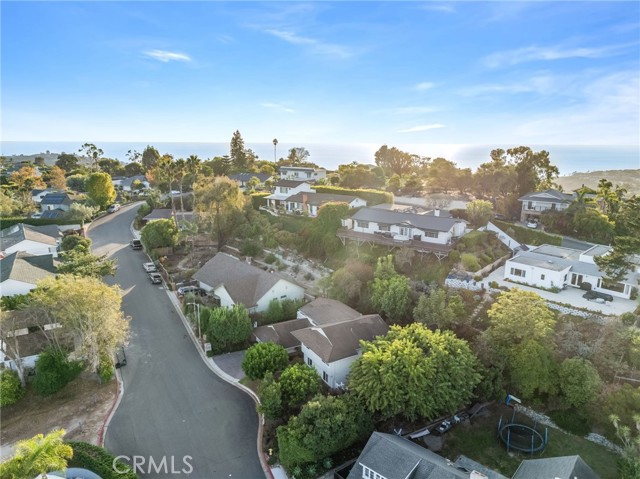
{"x":250,"y":248}
{"x":298,"y":382}
{"x":105,"y":368}
{"x":228,"y":329}
{"x":579,"y":381}
{"x":528,"y":235}
{"x":270,"y":394}
{"x":454,"y":256}
{"x":309,"y":277}
{"x":470,"y":262}
{"x":11,"y":303}
{"x":263,"y":358}
{"x":258,"y":199}
{"x":572,"y":420}
{"x":159,"y":234}
{"x":11,"y":390}
{"x":97,"y":459}
{"x":628,"y":319}
{"x":72,"y":242}
{"x":54,"y":371}
{"x":270,"y":258}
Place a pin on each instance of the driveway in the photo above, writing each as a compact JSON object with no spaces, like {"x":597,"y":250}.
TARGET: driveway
{"x":173,"y":405}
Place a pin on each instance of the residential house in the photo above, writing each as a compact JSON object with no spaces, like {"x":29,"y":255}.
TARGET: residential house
{"x":243,"y":178}
{"x":232,"y":282}
{"x":331,"y":348}
{"x":549,"y":266}
{"x":302,"y":173}
{"x":281,"y":333}
{"x":56,"y":201}
{"x":129,"y":184}
{"x":565,"y":467}
{"x":37,"y":194}
{"x":310,"y":203}
{"x":283,"y":189}
{"x":323,"y":311}
{"x":158,"y":214}
{"x":536,"y":203}
{"x":19,"y":272}
{"x":52,"y":214}
{"x":35,"y":240}
{"x":429,"y":232}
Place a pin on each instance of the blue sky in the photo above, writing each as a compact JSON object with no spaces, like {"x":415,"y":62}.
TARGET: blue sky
{"x":345,"y":72}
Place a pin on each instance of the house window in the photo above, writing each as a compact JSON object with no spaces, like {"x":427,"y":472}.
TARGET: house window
{"x":362,"y":224}
{"x":384,"y":227}
{"x":405,"y":231}
{"x":542,"y":276}
{"x":530,"y":205}
{"x":430,"y":234}
{"x":309,"y":362}
{"x":284,"y":189}
{"x":325,"y":377}
{"x":518,"y":272}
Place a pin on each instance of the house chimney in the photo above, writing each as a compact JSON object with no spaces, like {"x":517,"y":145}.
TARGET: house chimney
{"x":436,"y":212}
{"x":305,"y":197}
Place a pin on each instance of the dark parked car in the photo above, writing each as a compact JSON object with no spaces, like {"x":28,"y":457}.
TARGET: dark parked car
{"x":136,"y":244}
{"x":597,"y":295}
{"x":191,"y":290}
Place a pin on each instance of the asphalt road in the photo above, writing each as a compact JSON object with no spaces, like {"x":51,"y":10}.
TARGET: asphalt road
{"x":173,"y":404}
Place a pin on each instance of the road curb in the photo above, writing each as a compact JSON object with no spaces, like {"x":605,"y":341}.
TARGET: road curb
{"x":114,"y":407}
{"x":227,"y":378}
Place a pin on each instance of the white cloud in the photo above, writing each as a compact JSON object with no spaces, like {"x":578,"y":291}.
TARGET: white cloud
{"x":166,"y":56}
{"x":412,"y":110}
{"x":535,"y":53}
{"x":439,"y":7}
{"x":541,"y":84}
{"x":328,"y":49}
{"x":277,"y":106}
{"x":417,"y":128}
{"x":222,"y":38}
{"x":424,"y":86}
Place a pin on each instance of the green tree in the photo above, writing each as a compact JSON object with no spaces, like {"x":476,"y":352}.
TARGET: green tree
{"x":533,"y":369}
{"x":86,"y":308}
{"x":393,"y":161}
{"x":80,"y":212}
{"x":228,"y":328}
{"x":111,"y":166}
{"x":8,"y":205}
{"x":262,"y":358}
{"x":436,"y":307}
{"x":297,"y":156}
{"x":415,"y":372}
{"x":82,"y":263}
{"x":320,"y":237}
{"x":11,"y":391}
{"x":579,"y":381}
{"x":77,"y":182}
{"x":325,"y":425}
{"x":591,"y":225}
{"x":133,"y":169}
{"x":270,"y":394}
{"x":629,"y":465}
{"x":390,"y":292}
{"x":479,"y":212}
{"x":237,"y":152}
{"x":100,"y":189}
{"x":38,"y":455}
{"x":534,"y":169}
{"x":67,"y":162}
{"x":220,"y":203}
{"x":441,"y":174}
{"x":159,"y":234}
{"x":298,"y":383}
{"x":76,"y":242}
{"x":54,"y":371}
{"x":26,"y":179}
{"x":274,"y":312}
{"x":150,"y":157}
{"x":93,"y":153}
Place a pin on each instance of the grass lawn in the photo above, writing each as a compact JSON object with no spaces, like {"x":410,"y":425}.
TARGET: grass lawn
{"x":479,"y":442}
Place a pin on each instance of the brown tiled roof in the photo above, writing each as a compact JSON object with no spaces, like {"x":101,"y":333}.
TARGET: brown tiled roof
{"x":280,"y":333}
{"x":341,"y":340}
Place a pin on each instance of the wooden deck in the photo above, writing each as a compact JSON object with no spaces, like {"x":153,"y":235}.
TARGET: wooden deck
{"x":439,"y":250}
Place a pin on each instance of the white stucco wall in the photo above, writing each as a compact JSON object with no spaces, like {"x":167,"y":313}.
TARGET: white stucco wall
{"x":534,"y":275}
{"x":443,"y":237}
{"x":225,"y":298}
{"x":33,"y":247}
{"x":337,"y":371}
{"x":11,"y":287}
{"x":281,"y":290}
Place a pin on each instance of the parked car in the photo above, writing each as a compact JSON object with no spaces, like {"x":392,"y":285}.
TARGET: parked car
{"x":444,"y":426}
{"x":150,"y":267}
{"x":37,"y":214}
{"x":156,"y":278}
{"x":136,"y":244}
{"x":532,"y":224}
{"x":113,"y":208}
{"x":191,"y":290}
{"x":590,"y":295}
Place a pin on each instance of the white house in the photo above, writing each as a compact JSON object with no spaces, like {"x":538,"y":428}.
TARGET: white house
{"x":55,"y":201}
{"x":310,"y":203}
{"x":406,"y":226}
{"x":302,"y":173}
{"x":19,"y":272}
{"x":37,"y":195}
{"x":283,"y":189}
{"x":35,"y":240}
{"x":128,"y":184}
{"x":331,"y":349}
{"x":550,"y":266}
{"x":243,"y":178}
{"x":536,"y":203}
{"x":324,"y":311}
{"x":232,"y":281}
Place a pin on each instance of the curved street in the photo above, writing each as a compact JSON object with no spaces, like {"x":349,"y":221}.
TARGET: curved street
{"x":173,"y":405}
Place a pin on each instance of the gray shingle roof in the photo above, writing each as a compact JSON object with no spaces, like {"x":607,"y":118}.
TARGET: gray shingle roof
{"x":323,"y":311}
{"x":318,"y":199}
{"x":423,"y":222}
{"x":56,"y":199}
{"x":566,"y":467}
{"x":15,"y":234}
{"x":289,"y":183}
{"x":280,"y":333}
{"x":26,"y":268}
{"x":158,"y":214}
{"x":394,"y":457}
{"x":245,"y":284}
{"x":341,"y":340}
{"x":550,"y":196}
{"x":243,"y":177}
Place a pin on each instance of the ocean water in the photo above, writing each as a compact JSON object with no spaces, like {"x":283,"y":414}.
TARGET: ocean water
{"x":568,"y":158}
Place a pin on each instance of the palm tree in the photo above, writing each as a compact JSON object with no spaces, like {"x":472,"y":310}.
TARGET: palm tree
{"x":193,"y":168}
{"x":38,"y":455}
{"x":180,"y":169}
{"x":275,"y":144}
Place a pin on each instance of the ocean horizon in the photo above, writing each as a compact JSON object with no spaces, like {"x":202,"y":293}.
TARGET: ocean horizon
{"x":568,"y":158}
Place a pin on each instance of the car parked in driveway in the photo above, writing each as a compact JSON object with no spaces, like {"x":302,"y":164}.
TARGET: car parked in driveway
{"x":156,"y":278}
{"x":532,"y":224}
{"x":595,"y":295}
{"x":150,"y":267}
{"x":191,"y":290}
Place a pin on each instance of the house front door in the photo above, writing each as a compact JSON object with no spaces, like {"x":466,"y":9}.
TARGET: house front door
{"x":576,"y":280}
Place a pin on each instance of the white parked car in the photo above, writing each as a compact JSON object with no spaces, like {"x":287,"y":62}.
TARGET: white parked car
{"x":150,"y":267}
{"x":113,"y":208}
{"x":532,"y":224}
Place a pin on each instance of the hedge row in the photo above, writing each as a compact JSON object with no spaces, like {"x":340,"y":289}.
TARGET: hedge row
{"x":97,"y":459}
{"x":528,"y":235}
{"x":10,"y":221}
{"x":373,"y":197}
{"x":258,"y":199}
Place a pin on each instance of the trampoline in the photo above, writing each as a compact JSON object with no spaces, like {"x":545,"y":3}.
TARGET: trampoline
{"x":521,"y":437}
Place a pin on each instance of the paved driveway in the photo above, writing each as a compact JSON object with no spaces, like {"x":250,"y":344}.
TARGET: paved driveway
{"x":173,"y":404}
